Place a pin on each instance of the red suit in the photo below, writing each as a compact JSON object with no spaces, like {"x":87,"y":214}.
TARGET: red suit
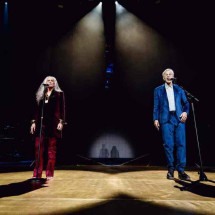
{"x":52,"y":109}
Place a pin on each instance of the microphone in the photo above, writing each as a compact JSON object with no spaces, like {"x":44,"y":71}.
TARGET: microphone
{"x":45,"y":85}
{"x":173,"y":79}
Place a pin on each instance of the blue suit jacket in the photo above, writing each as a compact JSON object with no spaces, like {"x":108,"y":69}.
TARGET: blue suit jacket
{"x":161,"y":105}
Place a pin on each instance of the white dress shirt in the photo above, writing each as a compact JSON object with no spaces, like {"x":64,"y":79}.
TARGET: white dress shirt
{"x":170,"y":97}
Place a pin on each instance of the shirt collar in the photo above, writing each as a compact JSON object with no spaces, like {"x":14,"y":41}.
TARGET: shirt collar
{"x":168,"y":86}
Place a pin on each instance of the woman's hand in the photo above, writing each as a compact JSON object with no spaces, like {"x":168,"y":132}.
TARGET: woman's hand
{"x":33,"y":127}
{"x":60,"y":126}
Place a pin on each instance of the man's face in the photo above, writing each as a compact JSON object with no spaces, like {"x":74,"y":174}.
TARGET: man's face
{"x":167,"y":76}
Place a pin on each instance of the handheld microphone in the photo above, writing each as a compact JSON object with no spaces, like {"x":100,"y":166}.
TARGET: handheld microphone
{"x":45,"y":85}
{"x":173,"y":79}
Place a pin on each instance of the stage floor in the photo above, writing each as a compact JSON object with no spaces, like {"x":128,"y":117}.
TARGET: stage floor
{"x":114,"y":190}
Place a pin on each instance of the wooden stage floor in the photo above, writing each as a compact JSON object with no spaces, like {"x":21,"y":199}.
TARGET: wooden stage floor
{"x":112,"y":190}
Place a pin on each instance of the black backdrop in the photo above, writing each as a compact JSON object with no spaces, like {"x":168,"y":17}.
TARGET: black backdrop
{"x":30,"y":38}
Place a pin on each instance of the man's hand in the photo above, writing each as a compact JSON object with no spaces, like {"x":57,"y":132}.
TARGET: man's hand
{"x":157,"y":124}
{"x":183,"y":117}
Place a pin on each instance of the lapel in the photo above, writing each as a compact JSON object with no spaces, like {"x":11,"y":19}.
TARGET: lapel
{"x":52,"y":95}
{"x":163,"y":93}
{"x":175,"y":90}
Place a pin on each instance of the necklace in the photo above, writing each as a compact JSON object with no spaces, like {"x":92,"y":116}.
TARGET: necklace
{"x":46,"y":98}
{"x":47,"y":95}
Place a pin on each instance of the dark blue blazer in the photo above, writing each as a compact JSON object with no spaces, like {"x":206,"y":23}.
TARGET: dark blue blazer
{"x":161,"y":105}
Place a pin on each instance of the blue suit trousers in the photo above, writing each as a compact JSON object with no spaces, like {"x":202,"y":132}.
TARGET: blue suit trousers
{"x":174,"y":142}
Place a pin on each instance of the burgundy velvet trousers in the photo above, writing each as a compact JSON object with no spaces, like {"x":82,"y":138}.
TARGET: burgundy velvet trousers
{"x":51,"y":157}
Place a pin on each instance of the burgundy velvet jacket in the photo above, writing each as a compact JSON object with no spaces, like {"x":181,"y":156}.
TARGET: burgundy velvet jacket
{"x":53,"y":112}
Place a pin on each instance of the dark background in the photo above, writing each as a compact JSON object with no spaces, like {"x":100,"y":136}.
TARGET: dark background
{"x":30,"y":49}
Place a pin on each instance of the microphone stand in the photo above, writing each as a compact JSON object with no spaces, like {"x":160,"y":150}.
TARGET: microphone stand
{"x":202,"y":175}
{"x":38,"y":179}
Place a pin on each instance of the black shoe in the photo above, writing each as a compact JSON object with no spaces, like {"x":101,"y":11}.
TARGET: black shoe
{"x":183,"y":176}
{"x":170,"y":175}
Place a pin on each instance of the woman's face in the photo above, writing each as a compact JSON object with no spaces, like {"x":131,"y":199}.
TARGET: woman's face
{"x":51,"y":82}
